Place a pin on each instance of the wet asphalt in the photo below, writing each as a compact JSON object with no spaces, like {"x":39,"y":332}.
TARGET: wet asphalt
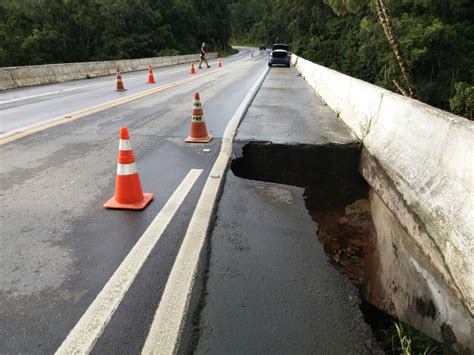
{"x":269,"y":287}
{"x":58,"y":246}
{"x":30,"y":105}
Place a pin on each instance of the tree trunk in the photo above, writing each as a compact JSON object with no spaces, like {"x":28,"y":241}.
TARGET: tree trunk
{"x":400,"y":88}
{"x":385,"y":20}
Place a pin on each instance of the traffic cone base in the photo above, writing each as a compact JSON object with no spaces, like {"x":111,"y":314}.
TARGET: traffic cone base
{"x":206,"y":139}
{"x":140,"y":205}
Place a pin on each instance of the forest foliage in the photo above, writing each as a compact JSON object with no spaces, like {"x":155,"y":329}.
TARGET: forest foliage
{"x":62,"y":31}
{"x":436,"y":36}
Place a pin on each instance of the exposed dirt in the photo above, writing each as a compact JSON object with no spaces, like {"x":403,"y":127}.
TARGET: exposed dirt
{"x":348,"y":237}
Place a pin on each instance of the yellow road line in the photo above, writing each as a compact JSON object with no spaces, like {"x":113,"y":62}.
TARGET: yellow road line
{"x":18,"y":133}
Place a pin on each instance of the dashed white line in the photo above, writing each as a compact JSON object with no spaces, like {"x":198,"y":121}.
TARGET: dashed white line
{"x":84,"y":335}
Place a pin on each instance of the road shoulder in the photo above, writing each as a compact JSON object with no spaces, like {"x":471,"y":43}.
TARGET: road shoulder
{"x":270,"y":287}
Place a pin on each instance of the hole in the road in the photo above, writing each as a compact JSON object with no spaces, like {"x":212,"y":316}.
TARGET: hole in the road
{"x":336,"y":197}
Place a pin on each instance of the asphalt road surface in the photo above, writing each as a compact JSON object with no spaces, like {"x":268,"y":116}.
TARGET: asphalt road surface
{"x":58,"y":246}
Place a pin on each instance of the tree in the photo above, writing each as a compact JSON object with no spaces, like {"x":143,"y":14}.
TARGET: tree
{"x":383,"y":13}
{"x":55,"y":31}
{"x":386,"y":21}
{"x":462,"y":103}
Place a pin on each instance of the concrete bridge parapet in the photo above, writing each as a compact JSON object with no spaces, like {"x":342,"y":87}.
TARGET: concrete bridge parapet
{"x":419,"y":163}
{"x":12,"y":77}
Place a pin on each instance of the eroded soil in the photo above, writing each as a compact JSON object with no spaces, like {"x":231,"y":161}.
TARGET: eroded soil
{"x":348,"y":237}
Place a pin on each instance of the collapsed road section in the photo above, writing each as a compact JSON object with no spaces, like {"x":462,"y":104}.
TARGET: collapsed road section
{"x":335,"y":195}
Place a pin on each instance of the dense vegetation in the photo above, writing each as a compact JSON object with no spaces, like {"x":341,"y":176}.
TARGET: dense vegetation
{"x":434,"y":62}
{"x":436,"y":39}
{"x":55,"y":31}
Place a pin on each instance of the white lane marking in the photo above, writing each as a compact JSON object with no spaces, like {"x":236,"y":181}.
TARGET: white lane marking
{"x":165,"y":331}
{"x":84,"y":335}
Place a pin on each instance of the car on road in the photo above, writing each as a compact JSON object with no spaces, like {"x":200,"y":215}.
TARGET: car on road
{"x":262,"y":47}
{"x":280,"y":55}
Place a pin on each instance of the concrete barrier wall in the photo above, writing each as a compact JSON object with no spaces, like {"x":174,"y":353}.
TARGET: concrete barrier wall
{"x":6,"y":79}
{"x":12,"y":77}
{"x":426,"y":156}
{"x":355,"y":101}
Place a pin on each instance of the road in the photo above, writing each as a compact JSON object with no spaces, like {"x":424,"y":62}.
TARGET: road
{"x":237,"y":274}
{"x":39,"y":103}
{"x":59,"y":247}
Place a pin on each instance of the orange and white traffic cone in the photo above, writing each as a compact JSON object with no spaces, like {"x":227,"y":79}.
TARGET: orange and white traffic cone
{"x":151,"y":78}
{"x":192,"y":71}
{"x":128,"y":189}
{"x":219,"y":65}
{"x":198,"y":132}
{"x":118,"y":82}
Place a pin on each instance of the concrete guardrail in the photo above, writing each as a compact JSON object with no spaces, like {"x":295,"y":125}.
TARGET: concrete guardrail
{"x":419,"y":164}
{"x":12,"y":77}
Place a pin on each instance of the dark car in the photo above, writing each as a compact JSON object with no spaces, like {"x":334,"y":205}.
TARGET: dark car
{"x":262,"y":47}
{"x":279,"y":55}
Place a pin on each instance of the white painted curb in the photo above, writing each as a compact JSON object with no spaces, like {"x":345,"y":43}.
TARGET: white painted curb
{"x":167,"y":326}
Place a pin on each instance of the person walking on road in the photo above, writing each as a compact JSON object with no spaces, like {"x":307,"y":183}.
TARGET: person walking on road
{"x":203,"y":56}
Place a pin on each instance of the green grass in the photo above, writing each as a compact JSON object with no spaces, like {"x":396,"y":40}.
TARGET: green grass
{"x":402,"y":339}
